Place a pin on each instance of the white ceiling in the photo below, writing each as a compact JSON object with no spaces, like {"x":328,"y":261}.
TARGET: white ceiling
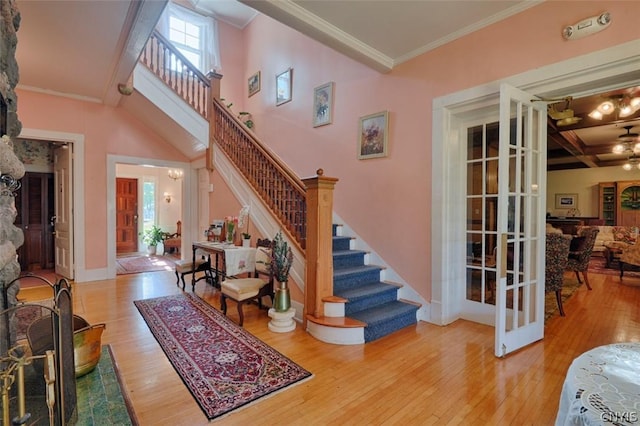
{"x":84,"y":49}
{"x":384,"y":33}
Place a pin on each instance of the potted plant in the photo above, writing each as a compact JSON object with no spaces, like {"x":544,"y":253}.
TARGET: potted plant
{"x":246,"y":239}
{"x":281,"y":261}
{"x":151,"y":237}
{"x":245,"y":117}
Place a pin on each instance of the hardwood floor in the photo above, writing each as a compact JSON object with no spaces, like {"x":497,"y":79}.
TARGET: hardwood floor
{"x":420,"y":375}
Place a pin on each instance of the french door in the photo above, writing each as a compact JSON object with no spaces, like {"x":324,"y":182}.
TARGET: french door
{"x":505,"y":164}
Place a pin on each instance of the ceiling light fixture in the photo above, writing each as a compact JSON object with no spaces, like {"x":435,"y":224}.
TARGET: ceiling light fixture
{"x":631,"y":163}
{"x":624,"y":104}
{"x":626,"y":144}
{"x":564,"y":117}
{"x":175,"y":174}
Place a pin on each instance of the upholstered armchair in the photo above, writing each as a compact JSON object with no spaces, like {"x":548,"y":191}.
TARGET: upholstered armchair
{"x":630,"y":255}
{"x":557,"y":256}
{"x":580,"y":252}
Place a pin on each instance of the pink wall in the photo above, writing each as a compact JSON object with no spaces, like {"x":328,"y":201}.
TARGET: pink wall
{"x":107,"y":131}
{"x":386,"y":200}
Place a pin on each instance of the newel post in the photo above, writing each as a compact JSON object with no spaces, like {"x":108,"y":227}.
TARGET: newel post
{"x":319,"y":253}
{"x":214,"y":93}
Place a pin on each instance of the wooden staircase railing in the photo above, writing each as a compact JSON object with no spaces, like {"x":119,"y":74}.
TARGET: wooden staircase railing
{"x":170,"y":66}
{"x":280,"y":189}
{"x":303,"y":208}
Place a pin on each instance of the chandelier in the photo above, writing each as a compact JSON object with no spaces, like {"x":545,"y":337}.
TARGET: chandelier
{"x":175,"y":174}
{"x":627,"y":139}
{"x":625,"y":105}
{"x":632,"y":162}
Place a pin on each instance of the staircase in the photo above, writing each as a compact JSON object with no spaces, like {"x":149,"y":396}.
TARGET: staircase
{"x":362,"y":308}
{"x":373,"y":304}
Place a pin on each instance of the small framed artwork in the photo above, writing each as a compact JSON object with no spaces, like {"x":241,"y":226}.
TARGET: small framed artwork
{"x":373,"y":136}
{"x":323,"y":105}
{"x":566,"y":201}
{"x":254,"y":84}
{"x":284,"y":82}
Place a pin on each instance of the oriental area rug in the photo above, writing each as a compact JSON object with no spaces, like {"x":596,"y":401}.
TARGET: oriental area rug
{"x":223,"y":366}
{"x":143,"y":263}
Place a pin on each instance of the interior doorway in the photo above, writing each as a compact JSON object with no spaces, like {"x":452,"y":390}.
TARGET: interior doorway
{"x":44,"y":205}
{"x":171,"y":202}
{"x":575,"y":77}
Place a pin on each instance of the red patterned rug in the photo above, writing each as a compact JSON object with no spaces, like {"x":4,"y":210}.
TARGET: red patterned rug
{"x":224,"y":366}
{"x":597,"y":265}
{"x":144,"y":263}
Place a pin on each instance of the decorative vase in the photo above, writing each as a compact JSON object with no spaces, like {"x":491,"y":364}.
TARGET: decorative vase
{"x":230,"y":233}
{"x":282,"y":300}
{"x":246,"y":242}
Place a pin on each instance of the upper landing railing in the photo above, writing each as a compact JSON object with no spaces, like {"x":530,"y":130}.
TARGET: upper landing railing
{"x":170,"y":66}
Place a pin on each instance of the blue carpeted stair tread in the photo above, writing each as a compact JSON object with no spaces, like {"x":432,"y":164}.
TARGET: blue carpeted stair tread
{"x":368,"y":299}
{"x":354,"y":270}
{"x":369,"y":290}
{"x":348,"y":258}
{"x":384,"y":312}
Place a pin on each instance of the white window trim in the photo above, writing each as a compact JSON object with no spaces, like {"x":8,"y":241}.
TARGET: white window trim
{"x":209,"y":33}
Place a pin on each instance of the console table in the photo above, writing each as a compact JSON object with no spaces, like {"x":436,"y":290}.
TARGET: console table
{"x":230,"y":260}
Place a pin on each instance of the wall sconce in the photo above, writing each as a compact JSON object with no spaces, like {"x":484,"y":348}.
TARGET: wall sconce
{"x":167,"y":197}
{"x":175,"y":174}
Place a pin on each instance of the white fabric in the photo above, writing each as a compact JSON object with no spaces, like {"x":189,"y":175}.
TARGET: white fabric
{"x":238,"y":260}
{"x":263,"y":260}
{"x":602,"y":386}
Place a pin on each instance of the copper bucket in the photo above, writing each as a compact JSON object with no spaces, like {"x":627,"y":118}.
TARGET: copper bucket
{"x":87,"y":344}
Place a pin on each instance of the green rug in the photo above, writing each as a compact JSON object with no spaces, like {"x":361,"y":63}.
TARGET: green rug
{"x":550,"y":303}
{"x":100,"y":400}
{"x":100,"y":396}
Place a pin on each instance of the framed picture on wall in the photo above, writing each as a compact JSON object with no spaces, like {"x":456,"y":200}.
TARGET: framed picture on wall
{"x":284,"y":86}
{"x":254,"y":84}
{"x":373,"y":135}
{"x":566,"y":201}
{"x":323,"y":105}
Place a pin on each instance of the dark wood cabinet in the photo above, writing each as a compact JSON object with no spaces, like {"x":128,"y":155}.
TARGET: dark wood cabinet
{"x":607,"y":203}
{"x":35,"y":206}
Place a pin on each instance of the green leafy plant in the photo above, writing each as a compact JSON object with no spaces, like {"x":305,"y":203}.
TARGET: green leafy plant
{"x":281,"y":258}
{"x":246,"y":235}
{"x":152,"y":236}
{"x":245,"y":117}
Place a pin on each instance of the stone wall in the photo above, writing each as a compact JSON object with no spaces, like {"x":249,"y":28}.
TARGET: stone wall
{"x":11,"y":169}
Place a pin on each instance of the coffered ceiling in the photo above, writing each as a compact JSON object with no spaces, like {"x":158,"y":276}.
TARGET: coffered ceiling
{"x":589,"y":142}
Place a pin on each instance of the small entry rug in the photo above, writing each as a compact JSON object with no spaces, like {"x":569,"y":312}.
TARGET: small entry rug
{"x":224,"y":366}
{"x":144,"y":263}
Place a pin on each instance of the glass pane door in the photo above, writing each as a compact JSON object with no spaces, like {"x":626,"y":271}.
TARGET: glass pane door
{"x":520,"y":242}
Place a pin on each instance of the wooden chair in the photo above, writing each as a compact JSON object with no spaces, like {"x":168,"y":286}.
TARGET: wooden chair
{"x":579,"y":256}
{"x":557,"y":256}
{"x":245,"y":290}
{"x":173,"y":242}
